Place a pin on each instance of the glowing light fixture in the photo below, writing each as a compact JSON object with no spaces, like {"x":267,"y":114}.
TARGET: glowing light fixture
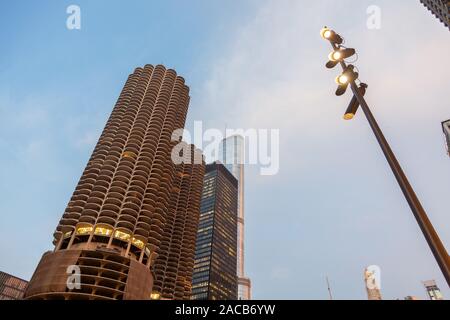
{"x":354,"y":104}
{"x":331,"y":36}
{"x":344,"y":79}
{"x":339,"y":55}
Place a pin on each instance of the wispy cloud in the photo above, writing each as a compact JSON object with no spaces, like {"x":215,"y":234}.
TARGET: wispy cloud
{"x":87,"y":140}
{"x":333,"y":179}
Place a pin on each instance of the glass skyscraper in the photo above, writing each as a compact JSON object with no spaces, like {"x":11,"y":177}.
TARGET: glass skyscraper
{"x":232,"y":155}
{"x":214,"y":276}
{"x":432,"y":290}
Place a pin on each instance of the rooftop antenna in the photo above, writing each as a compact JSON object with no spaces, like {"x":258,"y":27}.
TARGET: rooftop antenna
{"x":329,"y":288}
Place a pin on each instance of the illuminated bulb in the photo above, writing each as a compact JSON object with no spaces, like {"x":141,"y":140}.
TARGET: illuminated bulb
{"x":337,"y":55}
{"x":348,"y":116}
{"x":330,"y":35}
{"x":325,"y":33}
{"x":342,"y":79}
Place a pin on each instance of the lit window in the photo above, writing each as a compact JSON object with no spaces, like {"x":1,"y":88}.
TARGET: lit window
{"x":67,"y":234}
{"x":155,"y":295}
{"x":121,"y":235}
{"x":84,"y":230}
{"x":129,"y":154}
{"x":103,"y":231}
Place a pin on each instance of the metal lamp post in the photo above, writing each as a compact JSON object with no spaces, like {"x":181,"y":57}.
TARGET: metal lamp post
{"x":432,"y":238}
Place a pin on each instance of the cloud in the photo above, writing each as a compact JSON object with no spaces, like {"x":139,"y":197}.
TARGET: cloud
{"x":274,"y":66}
{"x":87,"y":140}
{"x":334,"y":184}
{"x":271,"y":74}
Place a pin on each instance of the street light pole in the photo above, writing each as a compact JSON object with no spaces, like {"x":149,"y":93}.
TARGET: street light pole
{"x":430,"y":234}
{"x":435,"y":243}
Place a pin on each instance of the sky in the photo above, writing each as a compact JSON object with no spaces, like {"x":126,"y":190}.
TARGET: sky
{"x":334,"y":207}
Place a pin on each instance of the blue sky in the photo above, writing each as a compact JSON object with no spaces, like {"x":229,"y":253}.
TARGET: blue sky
{"x":334,"y":207}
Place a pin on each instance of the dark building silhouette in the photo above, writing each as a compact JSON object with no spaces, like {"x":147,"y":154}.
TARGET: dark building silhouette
{"x":440,"y":9}
{"x":11,"y":287}
{"x":117,"y":220}
{"x":215,"y":269}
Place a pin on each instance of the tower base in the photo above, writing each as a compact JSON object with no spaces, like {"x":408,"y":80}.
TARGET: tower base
{"x":89,"y":275}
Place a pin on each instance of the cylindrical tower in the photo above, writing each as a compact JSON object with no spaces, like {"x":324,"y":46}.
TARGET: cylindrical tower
{"x":174,"y":265}
{"x":115,"y":220}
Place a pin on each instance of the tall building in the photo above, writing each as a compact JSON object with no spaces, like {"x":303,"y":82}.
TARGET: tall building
{"x":440,"y":9}
{"x":117,"y":219}
{"x":11,"y":287}
{"x":215,"y":275}
{"x":432,"y":290}
{"x":372,"y":286}
{"x":446,"y":131}
{"x":175,"y":262}
{"x":231,"y":154}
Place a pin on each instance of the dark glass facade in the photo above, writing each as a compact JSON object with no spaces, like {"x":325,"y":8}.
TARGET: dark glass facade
{"x":11,"y":288}
{"x":215,"y":268}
